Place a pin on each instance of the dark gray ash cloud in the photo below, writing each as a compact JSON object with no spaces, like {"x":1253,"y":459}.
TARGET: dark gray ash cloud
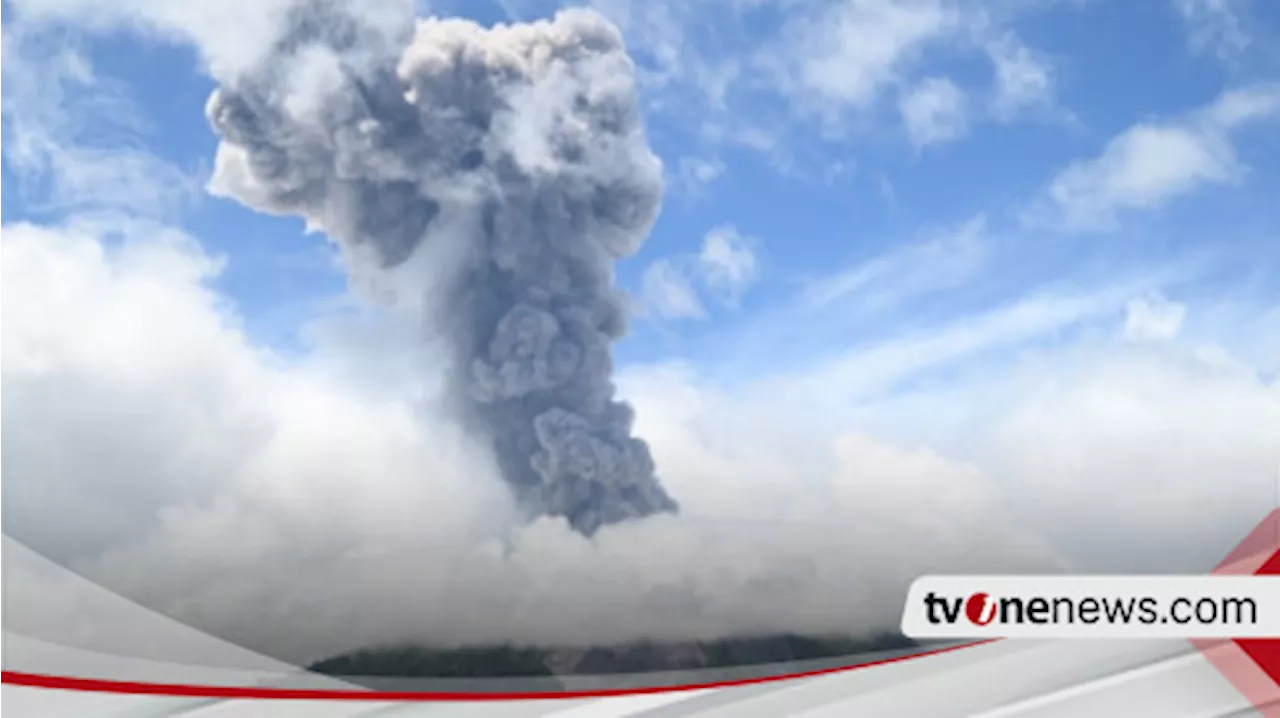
{"x":515,"y":158}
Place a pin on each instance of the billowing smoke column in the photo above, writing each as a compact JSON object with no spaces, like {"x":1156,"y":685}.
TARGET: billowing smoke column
{"x":524,"y":145}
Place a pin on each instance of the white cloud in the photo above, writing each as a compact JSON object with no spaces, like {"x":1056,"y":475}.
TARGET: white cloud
{"x":1215,"y":27}
{"x":1153,"y":317}
{"x":227,"y":43}
{"x":1151,"y":163}
{"x":725,"y":268}
{"x":846,"y":54}
{"x":1239,"y":107}
{"x":1127,"y":455}
{"x":729,"y":263}
{"x":668,"y":292}
{"x":1024,"y":80}
{"x":935,"y":111}
{"x":694,"y":174}
{"x":836,"y":61}
{"x":1142,"y":169}
{"x":1132,"y":457}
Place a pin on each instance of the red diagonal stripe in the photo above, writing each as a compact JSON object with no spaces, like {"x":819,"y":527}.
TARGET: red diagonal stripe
{"x":1252,"y":665}
{"x":1266,"y":651}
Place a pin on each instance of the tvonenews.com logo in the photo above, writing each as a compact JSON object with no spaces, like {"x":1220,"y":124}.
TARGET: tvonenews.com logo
{"x":1085,"y":606}
{"x":1093,"y":607}
{"x":983,"y":609}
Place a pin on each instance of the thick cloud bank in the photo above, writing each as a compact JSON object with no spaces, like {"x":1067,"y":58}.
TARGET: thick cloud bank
{"x":303,"y":509}
{"x":517,"y":155}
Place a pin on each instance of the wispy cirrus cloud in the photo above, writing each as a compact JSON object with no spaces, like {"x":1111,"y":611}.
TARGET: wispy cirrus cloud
{"x":880,"y":365}
{"x":943,"y":259}
{"x":74,"y":138}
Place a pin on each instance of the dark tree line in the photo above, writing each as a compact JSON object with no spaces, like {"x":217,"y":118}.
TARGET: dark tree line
{"x":529,"y":661}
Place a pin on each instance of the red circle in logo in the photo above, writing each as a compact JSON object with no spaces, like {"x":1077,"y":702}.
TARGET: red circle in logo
{"x":976,"y":608}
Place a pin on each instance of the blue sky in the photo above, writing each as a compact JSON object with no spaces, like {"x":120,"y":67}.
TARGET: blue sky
{"x":889,"y":128}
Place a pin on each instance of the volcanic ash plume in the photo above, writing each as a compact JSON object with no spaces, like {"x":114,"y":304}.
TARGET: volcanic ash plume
{"x":523,"y":146}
